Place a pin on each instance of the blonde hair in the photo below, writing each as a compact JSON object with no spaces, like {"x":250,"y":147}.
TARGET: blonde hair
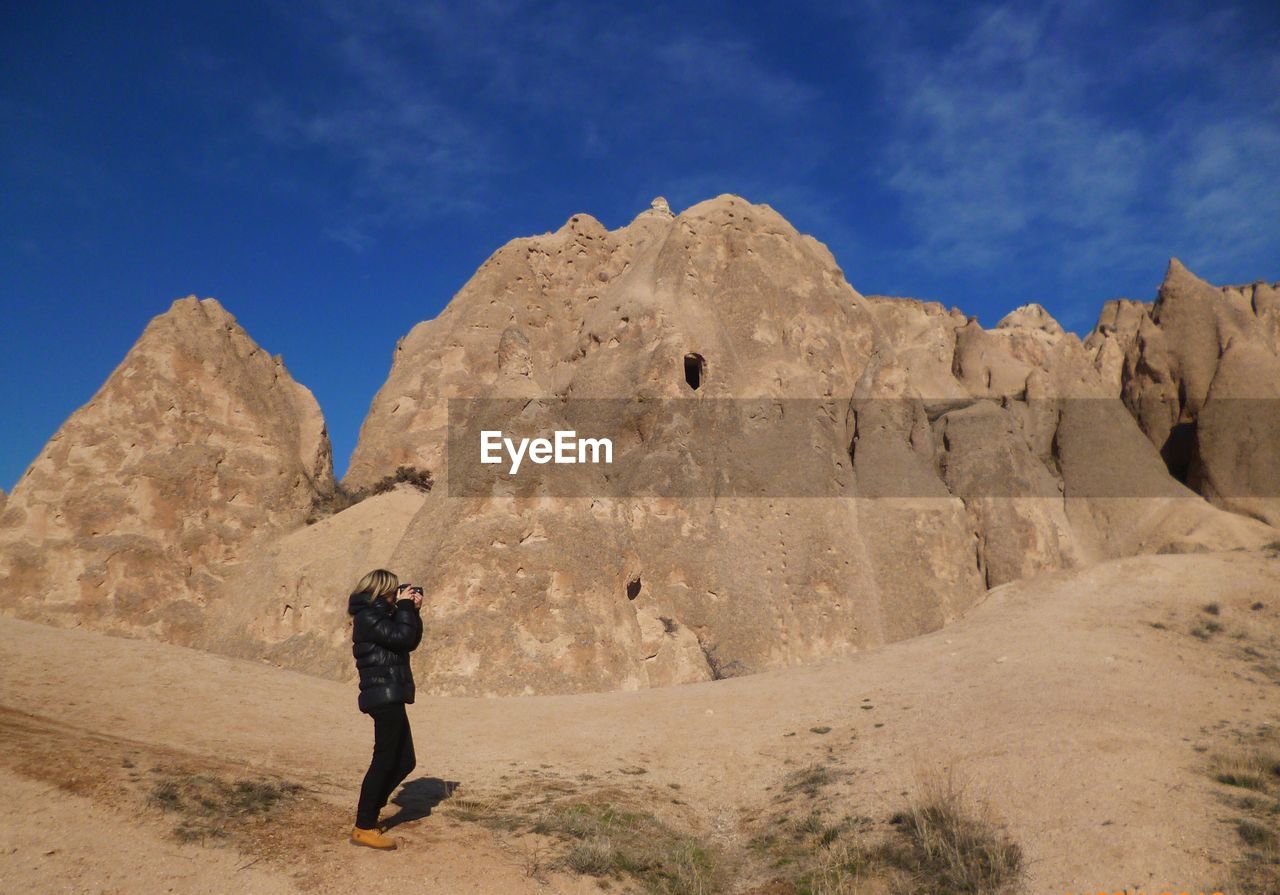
{"x":379,"y":583}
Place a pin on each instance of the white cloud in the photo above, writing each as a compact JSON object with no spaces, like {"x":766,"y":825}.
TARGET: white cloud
{"x":440,"y":101}
{"x":995,"y":140}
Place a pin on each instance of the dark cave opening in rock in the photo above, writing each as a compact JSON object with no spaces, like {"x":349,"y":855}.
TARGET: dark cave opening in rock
{"x":694,"y":367}
{"x":1181,"y":453}
{"x":633,"y":588}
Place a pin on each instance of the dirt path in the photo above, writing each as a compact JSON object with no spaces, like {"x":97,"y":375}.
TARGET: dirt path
{"x":1079,"y":704}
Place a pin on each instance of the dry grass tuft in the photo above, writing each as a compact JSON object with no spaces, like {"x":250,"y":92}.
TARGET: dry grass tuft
{"x":211,"y":807}
{"x":600,"y":834}
{"x":1257,"y":768}
{"x":950,"y":843}
{"x":941,"y":842}
{"x":1254,"y":768}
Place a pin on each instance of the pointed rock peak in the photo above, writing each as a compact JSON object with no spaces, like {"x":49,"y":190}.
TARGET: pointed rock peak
{"x":197,"y":444}
{"x":1182,"y":287}
{"x":1030,"y":316}
{"x":191,"y":306}
{"x":195,"y":319}
{"x":1178,"y":274}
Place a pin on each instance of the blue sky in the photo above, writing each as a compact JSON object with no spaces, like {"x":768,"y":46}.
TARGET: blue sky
{"x":334,"y":172}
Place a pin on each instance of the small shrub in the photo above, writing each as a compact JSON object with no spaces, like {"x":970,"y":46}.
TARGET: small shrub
{"x":951,"y":845}
{"x":1255,"y":834}
{"x":404,"y":475}
{"x":592,"y":857}
{"x":330,"y":504}
{"x":1211,"y":609}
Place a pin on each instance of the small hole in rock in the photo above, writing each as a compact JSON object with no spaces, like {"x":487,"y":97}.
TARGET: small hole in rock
{"x":694,"y":366}
{"x":633,"y":588}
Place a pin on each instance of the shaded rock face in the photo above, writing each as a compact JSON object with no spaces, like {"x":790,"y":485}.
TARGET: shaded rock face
{"x":1197,"y":368}
{"x":197,"y":447}
{"x":933,"y":419}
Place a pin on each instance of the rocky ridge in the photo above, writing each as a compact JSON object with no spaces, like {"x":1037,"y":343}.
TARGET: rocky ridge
{"x":938,"y":459}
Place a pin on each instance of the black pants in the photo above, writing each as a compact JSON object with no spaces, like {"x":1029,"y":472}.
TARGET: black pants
{"x":393,"y":759}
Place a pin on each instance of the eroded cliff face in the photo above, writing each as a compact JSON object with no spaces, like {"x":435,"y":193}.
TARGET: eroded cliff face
{"x":1198,"y":369}
{"x":198,"y":447}
{"x":882,"y":462}
{"x":939,"y":459}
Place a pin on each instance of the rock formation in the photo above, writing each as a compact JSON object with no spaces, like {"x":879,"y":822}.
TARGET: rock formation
{"x":1198,"y":370}
{"x":799,"y":471}
{"x":197,"y":447}
{"x":926,"y":459}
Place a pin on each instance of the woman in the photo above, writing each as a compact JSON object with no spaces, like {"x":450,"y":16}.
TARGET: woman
{"x":386,"y":627}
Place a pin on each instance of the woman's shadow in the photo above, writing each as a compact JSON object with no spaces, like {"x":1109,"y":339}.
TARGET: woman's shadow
{"x":416,"y":799}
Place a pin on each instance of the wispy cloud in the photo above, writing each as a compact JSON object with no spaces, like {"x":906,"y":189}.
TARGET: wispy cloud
{"x":1021,"y":140}
{"x":440,"y":102}
{"x":997,"y":139}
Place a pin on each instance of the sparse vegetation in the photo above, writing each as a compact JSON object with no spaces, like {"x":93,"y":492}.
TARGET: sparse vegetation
{"x":952,"y":845}
{"x":209,"y":806}
{"x":1211,"y":609}
{"x":605,"y":840}
{"x":720,"y":669}
{"x":601,"y":836}
{"x":941,"y":842}
{"x":404,"y":475}
{"x":812,"y":779}
{"x":1252,"y":772}
{"x":1249,"y":769}
{"x":1205,"y":629}
{"x":325,"y":505}
{"x":1255,"y":834}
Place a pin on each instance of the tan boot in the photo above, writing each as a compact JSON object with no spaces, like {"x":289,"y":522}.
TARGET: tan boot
{"x":371,"y":838}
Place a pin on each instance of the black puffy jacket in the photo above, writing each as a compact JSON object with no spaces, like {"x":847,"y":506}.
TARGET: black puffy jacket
{"x":382,"y":636}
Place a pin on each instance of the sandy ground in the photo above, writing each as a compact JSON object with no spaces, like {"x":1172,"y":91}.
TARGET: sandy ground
{"x":1078,"y":705}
